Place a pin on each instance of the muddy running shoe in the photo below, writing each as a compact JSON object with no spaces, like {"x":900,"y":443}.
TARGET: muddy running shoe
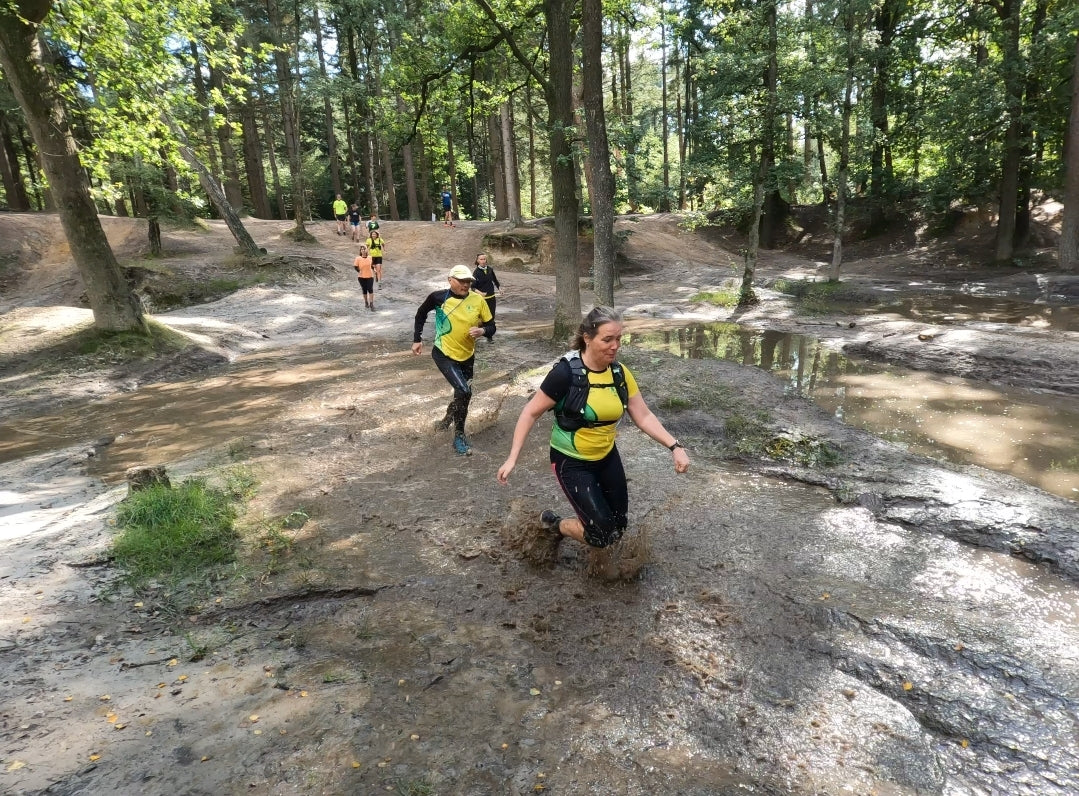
{"x":552,"y":536}
{"x":550,"y":522}
{"x":461,"y":446}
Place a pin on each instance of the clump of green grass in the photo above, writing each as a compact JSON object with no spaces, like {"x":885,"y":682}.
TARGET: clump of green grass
{"x":176,"y":532}
{"x":720,"y":298}
{"x":751,"y":436}
{"x":100,"y":344}
{"x":415,"y":787}
{"x":814,"y":298}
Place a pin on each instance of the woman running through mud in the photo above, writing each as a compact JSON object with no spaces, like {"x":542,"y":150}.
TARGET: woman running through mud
{"x":589,"y":391}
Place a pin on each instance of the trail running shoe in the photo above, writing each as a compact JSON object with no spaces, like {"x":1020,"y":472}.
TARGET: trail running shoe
{"x":550,"y":522}
{"x":461,"y":446}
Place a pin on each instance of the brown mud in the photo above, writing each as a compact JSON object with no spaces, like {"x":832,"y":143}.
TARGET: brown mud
{"x":396,"y":624}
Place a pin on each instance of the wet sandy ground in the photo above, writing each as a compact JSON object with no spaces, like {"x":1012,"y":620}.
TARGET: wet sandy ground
{"x":786,"y":631}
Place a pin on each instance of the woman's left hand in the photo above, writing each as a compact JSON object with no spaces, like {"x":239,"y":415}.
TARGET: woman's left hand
{"x":681,"y":460}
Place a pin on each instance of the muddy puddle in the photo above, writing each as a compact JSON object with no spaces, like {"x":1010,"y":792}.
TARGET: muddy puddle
{"x":950,"y":309}
{"x":163,"y":423}
{"x":1031,"y":436}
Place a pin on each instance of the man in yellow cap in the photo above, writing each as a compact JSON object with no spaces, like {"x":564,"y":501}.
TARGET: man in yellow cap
{"x":461,"y":317}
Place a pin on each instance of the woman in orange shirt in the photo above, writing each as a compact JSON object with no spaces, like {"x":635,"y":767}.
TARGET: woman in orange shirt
{"x":366,"y":276}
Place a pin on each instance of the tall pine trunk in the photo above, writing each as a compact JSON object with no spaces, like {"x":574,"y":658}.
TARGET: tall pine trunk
{"x":602,"y":180}
{"x":1069,"y":229}
{"x":114,"y":304}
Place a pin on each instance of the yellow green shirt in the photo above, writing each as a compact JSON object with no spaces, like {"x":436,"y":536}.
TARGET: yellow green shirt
{"x":590,"y":444}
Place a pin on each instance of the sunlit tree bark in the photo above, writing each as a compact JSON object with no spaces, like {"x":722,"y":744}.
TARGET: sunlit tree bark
{"x":115,"y":306}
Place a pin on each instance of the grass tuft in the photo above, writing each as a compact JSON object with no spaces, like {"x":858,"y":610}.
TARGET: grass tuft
{"x":176,"y":532}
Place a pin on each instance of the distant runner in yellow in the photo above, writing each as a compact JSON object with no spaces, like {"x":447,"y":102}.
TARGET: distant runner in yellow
{"x":461,"y":317}
{"x":340,"y":213}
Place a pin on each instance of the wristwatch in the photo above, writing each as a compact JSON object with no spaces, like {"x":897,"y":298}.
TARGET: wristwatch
{"x":675,"y":444}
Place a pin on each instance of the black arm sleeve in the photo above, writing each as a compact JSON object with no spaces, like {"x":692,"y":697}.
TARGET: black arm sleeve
{"x":489,"y":329}
{"x":429,"y":303}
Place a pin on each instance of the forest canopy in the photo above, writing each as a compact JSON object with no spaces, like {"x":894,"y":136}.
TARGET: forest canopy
{"x":912,"y":106}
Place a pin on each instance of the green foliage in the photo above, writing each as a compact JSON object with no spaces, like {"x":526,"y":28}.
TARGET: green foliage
{"x":814,"y":298}
{"x":720,"y":298}
{"x":97,"y":346}
{"x":751,"y":435}
{"x":179,"y":532}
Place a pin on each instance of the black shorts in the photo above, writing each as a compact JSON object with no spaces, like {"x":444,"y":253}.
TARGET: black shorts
{"x":367,"y":283}
{"x":376,"y":260}
{"x":341,"y":218}
{"x":598,"y":493}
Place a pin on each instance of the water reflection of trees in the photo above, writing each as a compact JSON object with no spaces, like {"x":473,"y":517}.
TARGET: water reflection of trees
{"x":800,"y":360}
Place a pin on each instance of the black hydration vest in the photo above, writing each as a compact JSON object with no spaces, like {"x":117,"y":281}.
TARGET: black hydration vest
{"x":569,"y":412}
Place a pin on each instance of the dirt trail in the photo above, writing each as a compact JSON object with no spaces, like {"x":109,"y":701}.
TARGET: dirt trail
{"x":400,"y":643}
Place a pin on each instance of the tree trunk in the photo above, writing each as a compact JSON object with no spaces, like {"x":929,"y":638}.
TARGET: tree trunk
{"x":509,"y":156}
{"x":665,"y":199}
{"x":1009,"y":170}
{"x":327,"y":106}
{"x":290,"y":119}
{"x":452,"y":168}
{"x":230,"y":170}
{"x":410,"y":173}
{"x":217,"y":195}
{"x":114,"y":304}
{"x":497,"y":166}
{"x":559,"y":91}
{"x":853,"y":39}
{"x":202,"y":99}
{"x":602,"y":183}
{"x":1069,"y":228}
{"x":531,"y":152}
{"x":775,"y":207}
{"x":252,"y":146}
{"x":1028,"y":136}
{"x":14,"y":190}
{"x":887,"y":17}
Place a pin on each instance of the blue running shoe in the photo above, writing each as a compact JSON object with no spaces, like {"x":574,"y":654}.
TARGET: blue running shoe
{"x":461,"y":446}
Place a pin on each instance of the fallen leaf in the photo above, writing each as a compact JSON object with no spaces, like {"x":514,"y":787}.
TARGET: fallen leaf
{"x":964,"y":743}
{"x":104,"y":698}
{"x":25,"y":619}
{"x":111,"y":717}
{"x":505,"y":746}
{"x":413,"y":737}
{"x":303,"y":693}
{"x":94,"y":758}
{"x":204,"y":759}
{"x":119,"y":726}
{"x":908,"y":686}
{"x":959,"y":647}
{"x":182,"y":678}
{"x":173,"y":662}
{"x":162,"y":685}
{"x":258,"y":732}
{"x":16,"y":765}
{"x":826,"y":596}
{"x":138,"y":605}
{"x":355,"y":764}
{"x":253,"y":718}
{"x":534,"y":691}
{"x":68,"y":698}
